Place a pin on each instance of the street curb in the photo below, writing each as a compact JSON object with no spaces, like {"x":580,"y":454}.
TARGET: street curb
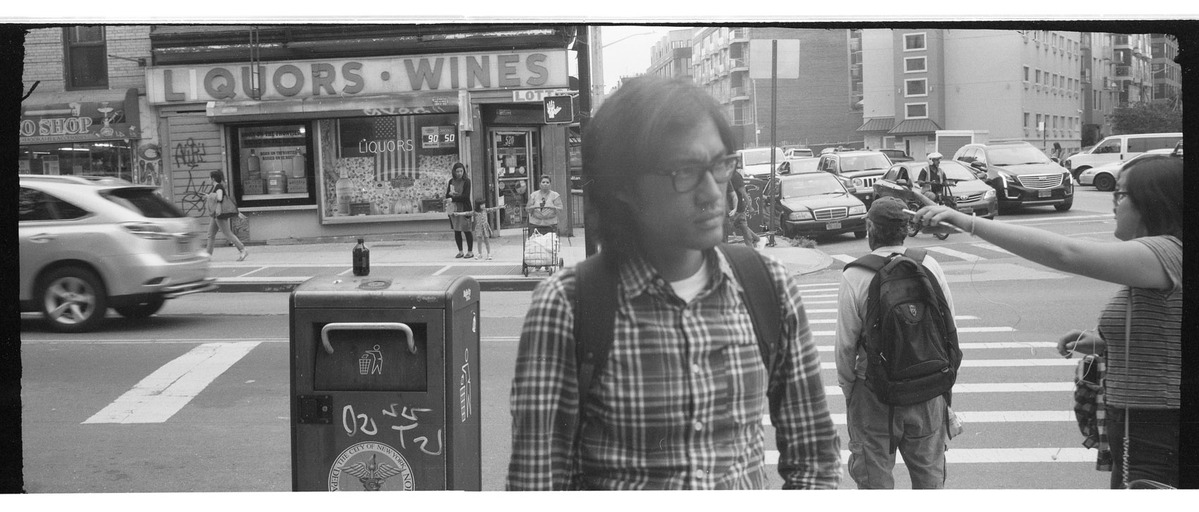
{"x":486,"y":284}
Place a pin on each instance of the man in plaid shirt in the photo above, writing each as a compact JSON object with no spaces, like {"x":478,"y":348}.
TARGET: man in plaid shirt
{"x":680,"y":400}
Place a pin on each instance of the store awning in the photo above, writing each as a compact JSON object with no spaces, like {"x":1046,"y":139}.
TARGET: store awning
{"x":878,"y":124}
{"x":327,"y":107}
{"x":80,"y":116}
{"x":915,"y":126}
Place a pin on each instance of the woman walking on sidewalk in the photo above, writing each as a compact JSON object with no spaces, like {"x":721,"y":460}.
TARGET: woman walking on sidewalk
{"x":458,"y":199}
{"x":213,"y":201}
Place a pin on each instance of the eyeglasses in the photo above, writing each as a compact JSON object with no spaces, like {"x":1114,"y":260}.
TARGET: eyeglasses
{"x":686,"y":176}
{"x":1118,"y":196}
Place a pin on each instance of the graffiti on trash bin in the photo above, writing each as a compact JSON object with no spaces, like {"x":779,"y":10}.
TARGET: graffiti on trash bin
{"x":373,"y":464}
{"x":409,"y":413}
{"x":406,"y":422}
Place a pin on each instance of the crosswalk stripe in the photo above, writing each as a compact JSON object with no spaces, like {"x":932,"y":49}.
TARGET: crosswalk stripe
{"x":809,"y":285}
{"x":163,"y":393}
{"x":992,"y":247}
{"x":1058,"y":221}
{"x":956,"y":254}
{"x":995,"y":363}
{"x":992,"y":387}
{"x":974,"y":417}
{"x":960,"y":330}
{"x":990,"y":455}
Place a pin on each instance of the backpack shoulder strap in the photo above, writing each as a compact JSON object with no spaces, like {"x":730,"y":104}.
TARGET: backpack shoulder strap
{"x":595,"y":317}
{"x":871,"y":261}
{"x":761,"y":297}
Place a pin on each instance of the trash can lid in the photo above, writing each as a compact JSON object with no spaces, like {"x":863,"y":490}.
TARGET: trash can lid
{"x":439,"y":292}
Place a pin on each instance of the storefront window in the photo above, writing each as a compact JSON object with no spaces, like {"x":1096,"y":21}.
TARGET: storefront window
{"x":109,"y":158}
{"x":273,"y":164}
{"x":387,"y":166}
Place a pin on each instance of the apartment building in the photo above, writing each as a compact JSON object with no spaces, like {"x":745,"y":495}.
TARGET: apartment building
{"x":670,"y":57}
{"x":822,"y":108}
{"x":1167,"y":73}
{"x":1000,"y":84}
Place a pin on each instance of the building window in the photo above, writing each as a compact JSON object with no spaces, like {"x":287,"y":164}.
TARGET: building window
{"x":916,"y":110}
{"x":915,"y":64}
{"x":915,"y":87}
{"x":914,"y":42}
{"x":1027,"y":118}
{"x":85,"y":57}
{"x":273,"y":162}
{"x":1026,"y":73}
{"x":1038,"y":76}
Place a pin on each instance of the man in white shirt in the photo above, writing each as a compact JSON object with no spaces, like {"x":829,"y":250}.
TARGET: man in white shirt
{"x":917,"y":430}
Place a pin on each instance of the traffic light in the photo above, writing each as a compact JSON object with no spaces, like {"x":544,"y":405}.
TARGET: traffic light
{"x":559,"y":109}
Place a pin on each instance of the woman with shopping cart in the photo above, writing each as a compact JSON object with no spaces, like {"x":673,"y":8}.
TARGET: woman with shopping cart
{"x":543,"y":207}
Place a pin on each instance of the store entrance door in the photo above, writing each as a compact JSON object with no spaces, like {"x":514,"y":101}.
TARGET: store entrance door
{"x":512,"y":165}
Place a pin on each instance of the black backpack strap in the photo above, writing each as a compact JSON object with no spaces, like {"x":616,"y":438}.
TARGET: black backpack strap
{"x":595,"y":295}
{"x":871,"y":261}
{"x":760,"y":297}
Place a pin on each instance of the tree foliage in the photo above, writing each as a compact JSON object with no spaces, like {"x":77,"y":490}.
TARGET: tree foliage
{"x":1154,"y":117}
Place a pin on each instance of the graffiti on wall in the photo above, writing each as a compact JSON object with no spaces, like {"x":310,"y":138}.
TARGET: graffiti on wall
{"x":148,"y":168}
{"x":189,"y":153}
{"x":193,"y":204}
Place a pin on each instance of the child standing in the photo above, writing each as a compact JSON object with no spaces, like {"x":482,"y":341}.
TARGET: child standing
{"x":483,"y":229}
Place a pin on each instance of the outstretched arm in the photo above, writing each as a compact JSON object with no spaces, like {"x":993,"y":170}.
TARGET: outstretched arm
{"x":1128,"y":263}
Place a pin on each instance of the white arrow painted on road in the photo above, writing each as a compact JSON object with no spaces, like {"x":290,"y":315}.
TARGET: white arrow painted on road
{"x":163,"y":393}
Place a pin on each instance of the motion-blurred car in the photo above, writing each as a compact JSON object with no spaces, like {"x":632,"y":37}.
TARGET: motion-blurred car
{"x":90,"y":244}
{"x":972,"y":195}
{"x":817,"y":204}
{"x":756,"y":161}
{"x":858,"y":169}
{"x":1103,"y":177}
{"x":896,"y":155}
{"x":1021,"y":174}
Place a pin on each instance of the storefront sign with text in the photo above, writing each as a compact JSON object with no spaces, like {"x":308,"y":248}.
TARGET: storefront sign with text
{"x":358,"y":77}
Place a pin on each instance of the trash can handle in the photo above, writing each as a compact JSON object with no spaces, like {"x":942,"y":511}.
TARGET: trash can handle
{"x":366,"y":326}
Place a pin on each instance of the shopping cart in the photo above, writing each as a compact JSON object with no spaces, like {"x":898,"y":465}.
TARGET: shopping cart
{"x":541,"y":252}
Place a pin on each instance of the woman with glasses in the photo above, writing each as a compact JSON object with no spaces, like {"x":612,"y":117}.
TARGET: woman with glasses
{"x":1144,"y":374}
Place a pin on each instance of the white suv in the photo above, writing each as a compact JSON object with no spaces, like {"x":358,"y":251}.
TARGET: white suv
{"x":1119,"y":148}
{"x":90,"y":244}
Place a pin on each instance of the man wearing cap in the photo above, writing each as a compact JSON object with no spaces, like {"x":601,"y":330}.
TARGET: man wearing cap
{"x":919,"y":429}
{"x":932,"y":180}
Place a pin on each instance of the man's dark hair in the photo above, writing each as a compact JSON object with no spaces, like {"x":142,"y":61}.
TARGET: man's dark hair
{"x":626,"y":138}
{"x":883,"y":235}
{"x":1154,"y":184}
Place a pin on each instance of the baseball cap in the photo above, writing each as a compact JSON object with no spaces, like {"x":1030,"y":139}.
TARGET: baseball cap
{"x":887,"y":211}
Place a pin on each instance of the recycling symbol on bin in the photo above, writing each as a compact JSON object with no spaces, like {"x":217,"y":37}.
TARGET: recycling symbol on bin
{"x":371,"y":362}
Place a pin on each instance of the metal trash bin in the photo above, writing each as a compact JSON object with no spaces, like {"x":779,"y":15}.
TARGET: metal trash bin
{"x":385,"y":384}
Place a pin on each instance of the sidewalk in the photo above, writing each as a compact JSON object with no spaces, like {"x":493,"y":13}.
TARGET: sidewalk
{"x":281,"y":265}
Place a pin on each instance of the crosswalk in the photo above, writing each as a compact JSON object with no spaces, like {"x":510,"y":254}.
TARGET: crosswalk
{"x":973,"y":253}
{"x":997,"y":368}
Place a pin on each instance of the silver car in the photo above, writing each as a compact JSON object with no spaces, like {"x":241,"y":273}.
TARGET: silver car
{"x":90,"y":244}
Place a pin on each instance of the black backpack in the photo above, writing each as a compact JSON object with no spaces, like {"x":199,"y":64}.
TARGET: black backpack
{"x":595,"y":311}
{"x":912,"y":352}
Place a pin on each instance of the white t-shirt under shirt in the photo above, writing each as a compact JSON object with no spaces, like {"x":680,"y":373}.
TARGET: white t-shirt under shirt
{"x":689,"y":287}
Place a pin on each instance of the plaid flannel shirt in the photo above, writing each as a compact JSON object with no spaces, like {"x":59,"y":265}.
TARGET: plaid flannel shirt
{"x":680,"y":402}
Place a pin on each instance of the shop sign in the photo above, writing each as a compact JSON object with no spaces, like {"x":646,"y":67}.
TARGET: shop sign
{"x":534,"y":95}
{"x":359,"y":77}
{"x":76,"y":122}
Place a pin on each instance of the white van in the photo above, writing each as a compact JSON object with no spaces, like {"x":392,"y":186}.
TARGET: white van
{"x":1119,"y":148}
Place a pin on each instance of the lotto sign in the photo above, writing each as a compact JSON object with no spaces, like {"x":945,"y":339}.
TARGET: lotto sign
{"x":559,"y":109}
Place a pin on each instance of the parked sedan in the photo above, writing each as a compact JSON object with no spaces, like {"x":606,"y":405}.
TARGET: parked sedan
{"x":816,"y":204}
{"x":972,"y":195}
{"x":1020,"y":173}
{"x":88,"y":245}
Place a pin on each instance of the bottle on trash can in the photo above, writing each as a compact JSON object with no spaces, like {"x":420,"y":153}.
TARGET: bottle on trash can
{"x":362,"y":259}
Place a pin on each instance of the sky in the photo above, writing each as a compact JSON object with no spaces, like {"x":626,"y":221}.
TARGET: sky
{"x":627,"y":48}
